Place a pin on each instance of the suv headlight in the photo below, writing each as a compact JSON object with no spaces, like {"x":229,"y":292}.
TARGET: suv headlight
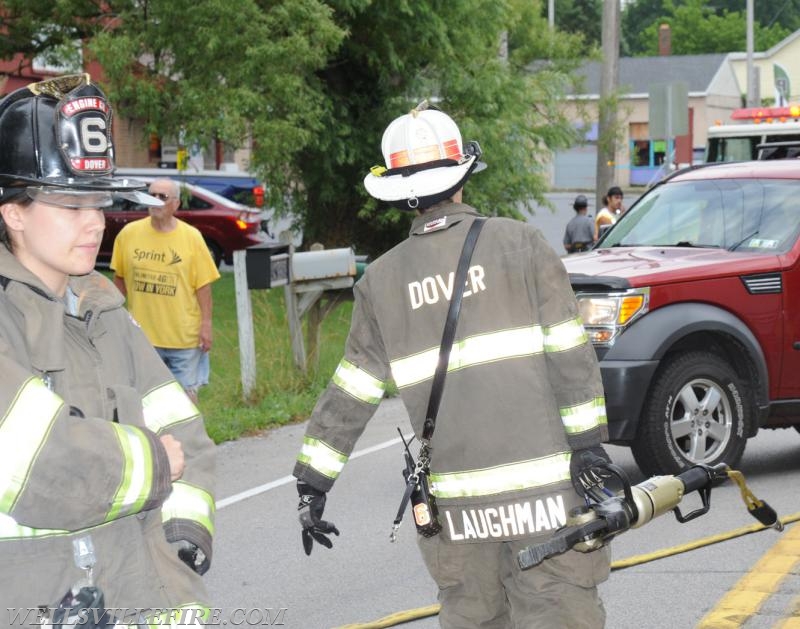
{"x":606,"y":315}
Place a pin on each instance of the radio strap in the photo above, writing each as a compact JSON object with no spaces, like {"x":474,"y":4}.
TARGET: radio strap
{"x":437,"y":386}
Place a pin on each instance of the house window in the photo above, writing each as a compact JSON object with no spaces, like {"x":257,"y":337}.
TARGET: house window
{"x":640,"y":152}
{"x":646,"y":152}
{"x":659,"y":151}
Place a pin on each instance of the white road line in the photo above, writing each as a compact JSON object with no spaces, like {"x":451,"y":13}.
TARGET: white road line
{"x":255,"y":491}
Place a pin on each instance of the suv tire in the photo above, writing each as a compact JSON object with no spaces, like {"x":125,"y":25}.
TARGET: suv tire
{"x":695,"y":413}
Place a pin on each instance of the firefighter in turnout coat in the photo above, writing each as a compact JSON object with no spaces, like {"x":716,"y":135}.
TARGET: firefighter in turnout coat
{"x":522,"y":395}
{"x":105,"y":465}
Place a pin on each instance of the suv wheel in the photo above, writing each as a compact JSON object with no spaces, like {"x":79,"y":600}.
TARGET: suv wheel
{"x":694,"y":414}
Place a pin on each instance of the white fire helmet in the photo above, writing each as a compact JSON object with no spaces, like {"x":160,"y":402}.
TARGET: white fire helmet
{"x":426,"y":161}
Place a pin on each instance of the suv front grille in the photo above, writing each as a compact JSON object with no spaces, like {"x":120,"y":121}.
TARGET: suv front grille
{"x":763,"y":283}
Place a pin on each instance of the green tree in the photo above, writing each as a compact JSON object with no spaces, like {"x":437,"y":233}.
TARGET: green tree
{"x":783,"y":12}
{"x":636,"y":16}
{"x":579,"y":17}
{"x":398,"y":52}
{"x":220,"y":70}
{"x":705,"y":27}
{"x":315,"y":82}
{"x":203,"y":70}
{"x":698,"y":29}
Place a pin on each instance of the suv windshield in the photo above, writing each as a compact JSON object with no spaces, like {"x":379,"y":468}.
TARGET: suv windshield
{"x":737,"y":214}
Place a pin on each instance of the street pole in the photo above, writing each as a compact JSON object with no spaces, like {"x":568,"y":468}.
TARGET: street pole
{"x":752,"y":87}
{"x":668,"y":157}
{"x":607,"y":106}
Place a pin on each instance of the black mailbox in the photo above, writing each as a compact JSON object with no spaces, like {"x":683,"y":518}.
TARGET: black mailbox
{"x":267,"y":265}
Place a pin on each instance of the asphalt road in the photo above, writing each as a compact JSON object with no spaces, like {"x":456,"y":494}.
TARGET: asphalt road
{"x":259,"y":563}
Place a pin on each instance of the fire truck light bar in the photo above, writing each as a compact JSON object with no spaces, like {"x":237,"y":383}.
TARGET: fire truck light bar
{"x":767,"y":114}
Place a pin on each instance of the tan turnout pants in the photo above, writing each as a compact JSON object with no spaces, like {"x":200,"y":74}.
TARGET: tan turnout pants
{"x":482,"y":586}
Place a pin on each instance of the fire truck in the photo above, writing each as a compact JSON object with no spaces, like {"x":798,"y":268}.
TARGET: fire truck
{"x":756,"y":133}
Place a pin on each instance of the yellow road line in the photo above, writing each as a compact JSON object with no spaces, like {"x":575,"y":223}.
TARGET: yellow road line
{"x":754,"y":588}
{"x":793,"y":622}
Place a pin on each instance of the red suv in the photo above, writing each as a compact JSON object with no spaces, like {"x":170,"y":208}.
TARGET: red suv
{"x":692,"y":301}
{"x":226,"y":226}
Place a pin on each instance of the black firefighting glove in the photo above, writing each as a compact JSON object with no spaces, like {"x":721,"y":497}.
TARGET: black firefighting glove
{"x":193,"y":556}
{"x":586,"y":469}
{"x":312,"y":504}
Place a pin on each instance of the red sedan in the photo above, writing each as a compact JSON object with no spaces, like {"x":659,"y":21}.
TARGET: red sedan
{"x":226,"y":226}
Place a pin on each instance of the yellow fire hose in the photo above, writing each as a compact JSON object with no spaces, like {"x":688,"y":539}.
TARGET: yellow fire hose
{"x":398,"y":618}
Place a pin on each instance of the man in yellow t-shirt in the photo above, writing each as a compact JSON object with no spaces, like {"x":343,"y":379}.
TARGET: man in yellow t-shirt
{"x":163,"y":267}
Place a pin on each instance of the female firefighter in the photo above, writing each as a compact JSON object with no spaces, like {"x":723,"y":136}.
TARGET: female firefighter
{"x":105,"y":465}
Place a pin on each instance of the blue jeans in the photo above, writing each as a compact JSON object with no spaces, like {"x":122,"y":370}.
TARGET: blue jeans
{"x":190,"y":366}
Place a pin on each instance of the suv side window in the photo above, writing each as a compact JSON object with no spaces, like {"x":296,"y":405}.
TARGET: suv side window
{"x":779,"y":220}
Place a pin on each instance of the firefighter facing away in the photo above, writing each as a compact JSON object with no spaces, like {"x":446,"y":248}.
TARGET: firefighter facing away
{"x":105,"y":465}
{"x":522,"y":394}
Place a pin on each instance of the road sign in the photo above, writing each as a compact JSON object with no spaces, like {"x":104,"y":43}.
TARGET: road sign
{"x":669,"y":110}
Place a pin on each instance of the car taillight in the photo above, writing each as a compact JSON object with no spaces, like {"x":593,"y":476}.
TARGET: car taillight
{"x":258,"y":196}
{"x":248,"y":221}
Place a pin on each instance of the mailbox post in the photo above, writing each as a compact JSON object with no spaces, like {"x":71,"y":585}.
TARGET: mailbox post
{"x":316,"y":276}
{"x":314,"y":283}
{"x":262,"y":266}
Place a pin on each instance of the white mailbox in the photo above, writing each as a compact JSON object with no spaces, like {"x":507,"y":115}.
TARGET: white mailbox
{"x":325,"y":264}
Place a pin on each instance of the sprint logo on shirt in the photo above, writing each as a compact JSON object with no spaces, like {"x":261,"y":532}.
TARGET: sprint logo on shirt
{"x":157,"y":256}
{"x":435,"y":287}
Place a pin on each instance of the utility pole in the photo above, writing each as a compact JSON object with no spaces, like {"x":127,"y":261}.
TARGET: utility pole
{"x":607,"y":105}
{"x":753,"y":87}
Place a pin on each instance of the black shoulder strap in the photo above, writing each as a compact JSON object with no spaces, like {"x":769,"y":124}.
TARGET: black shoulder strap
{"x":450,"y":328}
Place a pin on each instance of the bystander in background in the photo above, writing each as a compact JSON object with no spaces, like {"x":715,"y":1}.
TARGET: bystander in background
{"x":612,"y":210}
{"x":579,"y":234}
{"x":163,"y":267}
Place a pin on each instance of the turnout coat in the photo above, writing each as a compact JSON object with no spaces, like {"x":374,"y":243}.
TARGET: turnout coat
{"x":523,"y":388}
{"x":83,"y":401}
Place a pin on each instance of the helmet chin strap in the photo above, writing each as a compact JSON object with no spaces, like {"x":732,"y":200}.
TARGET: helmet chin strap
{"x":420,"y":204}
